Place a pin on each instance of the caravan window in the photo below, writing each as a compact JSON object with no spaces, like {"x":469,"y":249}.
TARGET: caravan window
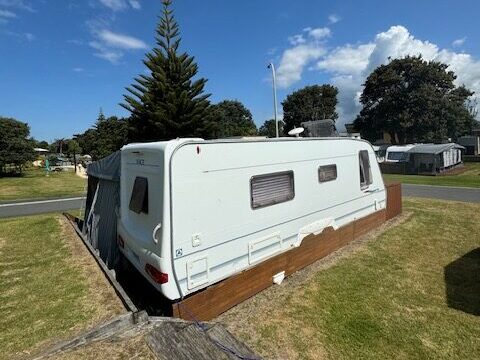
{"x":327,"y":173}
{"x":397,"y":155}
{"x":365,"y":171}
{"x":271,"y":189}
{"x":139,"y":197}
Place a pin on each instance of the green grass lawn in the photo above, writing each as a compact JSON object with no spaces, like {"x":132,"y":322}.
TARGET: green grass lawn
{"x":46,"y":287}
{"x":470,"y":178}
{"x":35,"y":185}
{"x":411,"y":293}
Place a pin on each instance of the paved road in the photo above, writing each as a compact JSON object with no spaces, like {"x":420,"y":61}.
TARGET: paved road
{"x":442,"y":192}
{"x":41,"y":206}
{"x":58,"y":205}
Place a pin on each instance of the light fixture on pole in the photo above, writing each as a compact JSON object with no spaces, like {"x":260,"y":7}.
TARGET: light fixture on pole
{"x":271,"y":66}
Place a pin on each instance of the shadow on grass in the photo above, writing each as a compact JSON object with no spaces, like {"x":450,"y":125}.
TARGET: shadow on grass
{"x":141,"y":292}
{"x":462,"y":280}
{"x":12,"y":174}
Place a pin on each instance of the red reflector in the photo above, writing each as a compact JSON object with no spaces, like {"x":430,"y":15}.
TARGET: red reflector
{"x":120,"y":241}
{"x":198,"y":149}
{"x":157,"y":276}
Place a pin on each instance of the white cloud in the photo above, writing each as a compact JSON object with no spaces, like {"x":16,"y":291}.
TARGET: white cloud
{"x":120,"y":5}
{"x":110,"y":46}
{"x":18,"y":4}
{"x":78,"y":69}
{"x":7,"y":14}
{"x":21,"y":36}
{"x":121,"y":41}
{"x":294,"y":60}
{"x":347,"y":59}
{"x":349,"y":65}
{"x":459,"y":42}
{"x":135,"y":4}
{"x":115,"y":5}
{"x":29,"y":36}
{"x":333,"y":18}
{"x":296,"y":39}
{"x":304,"y":51}
{"x":319,"y":33}
{"x":104,"y":52}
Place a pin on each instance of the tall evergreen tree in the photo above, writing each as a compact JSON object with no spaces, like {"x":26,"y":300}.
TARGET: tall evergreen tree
{"x":168,"y":103}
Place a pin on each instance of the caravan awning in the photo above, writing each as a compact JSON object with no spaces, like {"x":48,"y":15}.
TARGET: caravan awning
{"x":107,"y":168}
{"x":433,"y":148}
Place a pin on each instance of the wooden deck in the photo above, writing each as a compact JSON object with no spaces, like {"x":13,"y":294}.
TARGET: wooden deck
{"x":216,"y":299}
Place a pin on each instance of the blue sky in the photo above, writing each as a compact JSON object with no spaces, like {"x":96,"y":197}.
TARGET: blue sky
{"x":61,"y":60}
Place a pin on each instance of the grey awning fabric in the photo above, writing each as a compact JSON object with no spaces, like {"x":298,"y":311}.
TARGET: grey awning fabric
{"x":433,"y":148}
{"x":107,"y":168}
{"x":103,"y":201}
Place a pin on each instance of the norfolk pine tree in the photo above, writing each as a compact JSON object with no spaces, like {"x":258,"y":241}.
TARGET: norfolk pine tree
{"x":168,"y":103}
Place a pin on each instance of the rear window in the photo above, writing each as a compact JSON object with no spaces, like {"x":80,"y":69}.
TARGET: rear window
{"x":139,"y":197}
{"x":271,"y":189}
{"x":365,"y":171}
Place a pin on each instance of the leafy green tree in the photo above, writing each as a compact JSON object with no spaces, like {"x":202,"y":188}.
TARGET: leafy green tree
{"x":108,"y":135}
{"x":229,"y":118}
{"x":311,"y":103}
{"x":268,"y":128}
{"x":168,"y":103}
{"x":16,"y":149}
{"x":413,"y":100}
{"x":40,"y":144}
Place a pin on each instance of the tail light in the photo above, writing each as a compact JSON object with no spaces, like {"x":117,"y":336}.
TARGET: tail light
{"x":120,"y":241}
{"x":156,"y":275}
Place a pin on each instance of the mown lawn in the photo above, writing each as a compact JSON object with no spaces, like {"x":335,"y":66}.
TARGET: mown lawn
{"x":469,"y":178}
{"x":34,"y":184}
{"x":411,"y":293}
{"x":49,"y":286}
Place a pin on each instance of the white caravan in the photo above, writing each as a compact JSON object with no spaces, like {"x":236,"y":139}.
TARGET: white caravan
{"x":194,"y":212}
{"x":397,"y":153}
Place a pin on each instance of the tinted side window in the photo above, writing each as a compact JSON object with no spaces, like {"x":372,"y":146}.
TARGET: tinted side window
{"x":365,"y":171}
{"x":327,"y":173}
{"x":139,"y":197}
{"x":271,"y":189}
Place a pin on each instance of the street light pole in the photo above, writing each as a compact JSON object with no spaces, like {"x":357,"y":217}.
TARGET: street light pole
{"x":271,"y":66}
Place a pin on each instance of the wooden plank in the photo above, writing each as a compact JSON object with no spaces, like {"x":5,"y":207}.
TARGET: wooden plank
{"x":394,"y":200}
{"x":114,"y":327}
{"x":211,"y":302}
{"x":183,"y":342}
{"x":219,"y":334}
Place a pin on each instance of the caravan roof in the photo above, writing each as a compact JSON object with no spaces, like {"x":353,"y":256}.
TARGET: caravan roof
{"x":434,"y":148}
